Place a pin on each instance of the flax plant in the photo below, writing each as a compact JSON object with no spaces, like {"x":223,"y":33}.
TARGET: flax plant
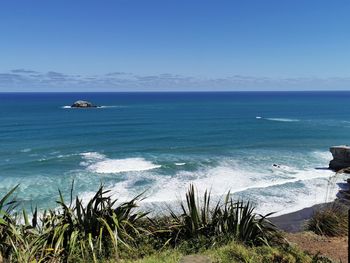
{"x":226,"y":219}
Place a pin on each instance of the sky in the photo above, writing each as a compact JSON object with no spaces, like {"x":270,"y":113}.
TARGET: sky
{"x":174,"y":45}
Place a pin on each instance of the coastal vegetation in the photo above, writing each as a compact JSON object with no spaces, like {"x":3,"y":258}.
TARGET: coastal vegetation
{"x":331,"y":220}
{"x":105,"y":230}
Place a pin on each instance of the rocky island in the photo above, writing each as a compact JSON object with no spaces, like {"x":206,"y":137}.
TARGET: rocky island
{"x":83,"y":104}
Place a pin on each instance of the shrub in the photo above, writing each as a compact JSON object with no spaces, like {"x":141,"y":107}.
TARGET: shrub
{"x":224,"y":221}
{"x":7,"y":207}
{"x":74,"y":231}
{"x":331,"y":220}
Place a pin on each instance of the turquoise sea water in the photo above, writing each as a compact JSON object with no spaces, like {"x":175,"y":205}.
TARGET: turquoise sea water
{"x":161,"y":142}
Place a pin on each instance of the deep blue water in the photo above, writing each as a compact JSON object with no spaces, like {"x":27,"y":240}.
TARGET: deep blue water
{"x":161,"y":142}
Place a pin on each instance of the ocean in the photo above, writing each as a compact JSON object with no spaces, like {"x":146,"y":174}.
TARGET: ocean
{"x":268,"y":147}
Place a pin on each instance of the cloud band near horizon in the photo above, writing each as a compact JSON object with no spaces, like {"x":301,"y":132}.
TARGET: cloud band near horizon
{"x":25,"y":80}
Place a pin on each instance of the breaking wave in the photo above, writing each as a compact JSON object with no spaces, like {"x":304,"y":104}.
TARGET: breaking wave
{"x":277,"y":119}
{"x":281,"y":119}
{"x":99,"y":163}
{"x":279,"y":189}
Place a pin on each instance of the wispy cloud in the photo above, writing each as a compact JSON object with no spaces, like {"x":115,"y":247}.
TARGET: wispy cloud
{"x":31,"y":80}
{"x":23,"y":71}
{"x":117,"y":73}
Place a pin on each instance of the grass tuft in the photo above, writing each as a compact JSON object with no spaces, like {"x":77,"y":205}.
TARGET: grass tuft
{"x":331,"y":220}
{"x":224,"y":220}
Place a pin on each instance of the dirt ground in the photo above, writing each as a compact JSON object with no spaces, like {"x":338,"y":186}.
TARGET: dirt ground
{"x":195,"y":259}
{"x":335,"y":248}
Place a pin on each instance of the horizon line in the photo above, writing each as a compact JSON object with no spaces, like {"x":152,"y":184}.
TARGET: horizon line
{"x":174,"y":91}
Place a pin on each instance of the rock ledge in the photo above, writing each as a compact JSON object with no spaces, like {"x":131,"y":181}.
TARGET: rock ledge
{"x":341,"y":157}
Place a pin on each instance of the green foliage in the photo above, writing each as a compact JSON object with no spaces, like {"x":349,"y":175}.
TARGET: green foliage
{"x":7,"y":205}
{"x":168,"y":256}
{"x":235,"y":252}
{"x":227,"y":220}
{"x":331,"y":220}
{"x":89,"y":232}
{"x":103,"y":230}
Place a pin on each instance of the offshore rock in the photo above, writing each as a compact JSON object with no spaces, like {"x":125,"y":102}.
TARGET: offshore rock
{"x":341,"y":157}
{"x":83,"y":104}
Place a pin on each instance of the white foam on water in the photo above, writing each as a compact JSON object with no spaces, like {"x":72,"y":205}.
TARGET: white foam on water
{"x":26,"y":150}
{"x":282,"y":169}
{"x":93,"y":156}
{"x":99,"y":163}
{"x":122,"y":193}
{"x":227,"y":176}
{"x":222,"y":179}
{"x":281,"y":119}
{"x":98,"y":107}
{"x":287,"y":199}
{"x":180,"y":164}
{"x":122,"y":165}
{"x":60,"y":156}
{"x":112,"y":106}
{"x":280,"y":189}
{"x":325,"y":156}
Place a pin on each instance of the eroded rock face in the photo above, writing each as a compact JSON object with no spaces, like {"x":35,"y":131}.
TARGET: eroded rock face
{"x":341,"y":157}
{"x":83,"y":104}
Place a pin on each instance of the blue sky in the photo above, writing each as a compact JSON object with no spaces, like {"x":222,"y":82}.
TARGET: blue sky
{"x":180,"y":45}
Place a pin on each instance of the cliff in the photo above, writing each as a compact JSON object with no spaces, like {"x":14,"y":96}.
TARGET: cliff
{"x":341,"y":157}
